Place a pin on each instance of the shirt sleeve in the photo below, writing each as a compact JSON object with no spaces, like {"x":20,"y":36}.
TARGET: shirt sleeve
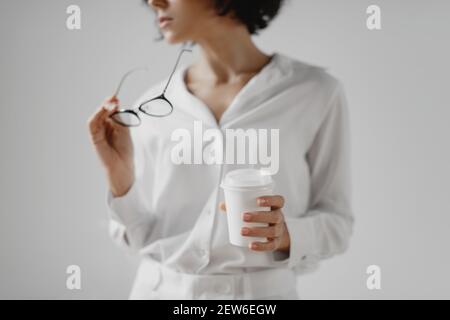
{"x":325,"y":229}
{"x":131,"y":220}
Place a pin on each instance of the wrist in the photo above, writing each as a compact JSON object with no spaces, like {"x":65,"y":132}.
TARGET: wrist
{"x":120,"y":182}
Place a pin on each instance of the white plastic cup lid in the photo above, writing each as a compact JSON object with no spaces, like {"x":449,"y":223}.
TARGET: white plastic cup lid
{"x":247,"y":178}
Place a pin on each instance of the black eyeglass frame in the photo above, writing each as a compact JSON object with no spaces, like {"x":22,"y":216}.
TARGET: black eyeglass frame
{"x":186,"y":47}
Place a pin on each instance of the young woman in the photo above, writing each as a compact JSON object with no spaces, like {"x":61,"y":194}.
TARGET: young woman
{"x":173,"y":214}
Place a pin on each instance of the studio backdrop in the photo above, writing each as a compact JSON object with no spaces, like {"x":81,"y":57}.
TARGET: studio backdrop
{"x":392,"y":58}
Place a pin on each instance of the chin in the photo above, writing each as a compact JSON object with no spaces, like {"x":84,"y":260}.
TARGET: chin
{"x":173,"y":38}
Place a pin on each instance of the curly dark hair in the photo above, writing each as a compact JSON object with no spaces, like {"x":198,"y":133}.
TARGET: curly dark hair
{"x":254,"y":14}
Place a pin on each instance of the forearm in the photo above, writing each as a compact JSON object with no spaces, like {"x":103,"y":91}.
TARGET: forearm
{"x":120,"y":181}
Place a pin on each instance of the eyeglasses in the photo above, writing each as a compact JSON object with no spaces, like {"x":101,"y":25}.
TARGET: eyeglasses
{"x":158,"y":106}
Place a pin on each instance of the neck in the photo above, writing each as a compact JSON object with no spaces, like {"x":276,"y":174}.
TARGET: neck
{"x":228,"y":55}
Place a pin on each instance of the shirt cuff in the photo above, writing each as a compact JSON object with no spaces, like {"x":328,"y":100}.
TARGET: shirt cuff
{"x":301,"y":241}
{"x":128,"y":209}
{"x":280,"y":256}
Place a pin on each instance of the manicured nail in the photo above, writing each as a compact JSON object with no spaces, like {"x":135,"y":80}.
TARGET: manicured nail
{"x":261,"y":201}
{"x":245,"y":230}
{"x":253,"y":245}
{"x":247,"y":216}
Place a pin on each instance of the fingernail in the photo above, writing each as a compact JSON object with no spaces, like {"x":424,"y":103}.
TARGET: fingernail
{"x":110,"y":106}
{"x":261,"y":201}
{"x":247,"y":216}
{"x":245,"y":230}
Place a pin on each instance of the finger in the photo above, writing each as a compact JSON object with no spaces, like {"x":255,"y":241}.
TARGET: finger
{"x":109,"y":130}
{"x":106,"y":119}
{"x":101,"y":125}
{"x":95,"y":121}
{"x":105,"y":109}
{"x":222,"y":206}
{"x":266,"y":232}
{"x":274,"y":216}
{"x":276,"y":202}
{"x":114,"y":99}
{"x":121,"y":129}
{"x":263,"y":246}
{"x":110,"y":103}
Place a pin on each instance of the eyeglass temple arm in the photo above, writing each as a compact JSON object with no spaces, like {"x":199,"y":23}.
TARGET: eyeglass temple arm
{"x":126,"y":75}
{"x":186,"y":47}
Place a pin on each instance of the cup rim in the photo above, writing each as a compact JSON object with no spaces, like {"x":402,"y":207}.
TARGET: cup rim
{"x":247,"y":188}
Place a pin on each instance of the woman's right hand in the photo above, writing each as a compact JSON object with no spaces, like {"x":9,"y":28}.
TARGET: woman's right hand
{"x":113,"y":146}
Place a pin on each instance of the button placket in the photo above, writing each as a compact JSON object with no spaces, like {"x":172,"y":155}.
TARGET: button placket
{"x":202,"y":252}
{"x":223,"y":288}
{"x":209,"y":222}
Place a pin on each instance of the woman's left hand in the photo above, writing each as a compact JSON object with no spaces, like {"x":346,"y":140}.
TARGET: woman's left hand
{"x":276,"y":233}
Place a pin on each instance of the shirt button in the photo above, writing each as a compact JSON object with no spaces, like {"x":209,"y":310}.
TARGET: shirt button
{"x":223,"y":287}
{"x":202,"y":252}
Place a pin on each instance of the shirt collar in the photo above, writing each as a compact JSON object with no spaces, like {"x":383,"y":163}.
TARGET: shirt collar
{"x":270,"y":75}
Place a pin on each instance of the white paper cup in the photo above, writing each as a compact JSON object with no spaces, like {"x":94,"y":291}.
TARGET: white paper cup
{"x":241,"y":188}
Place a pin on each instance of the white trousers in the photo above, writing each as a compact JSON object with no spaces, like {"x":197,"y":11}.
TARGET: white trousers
{"x":155,"y":281}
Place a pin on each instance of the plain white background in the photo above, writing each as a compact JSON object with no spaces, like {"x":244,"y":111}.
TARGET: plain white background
{"x":52,"y":187}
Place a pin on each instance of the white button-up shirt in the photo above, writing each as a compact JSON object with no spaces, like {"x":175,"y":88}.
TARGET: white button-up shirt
{"x":171,"y":212}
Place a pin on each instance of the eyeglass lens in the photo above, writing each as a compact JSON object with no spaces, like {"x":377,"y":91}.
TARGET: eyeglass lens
{"x":157,"y":107}
{"x":126,"y":118}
